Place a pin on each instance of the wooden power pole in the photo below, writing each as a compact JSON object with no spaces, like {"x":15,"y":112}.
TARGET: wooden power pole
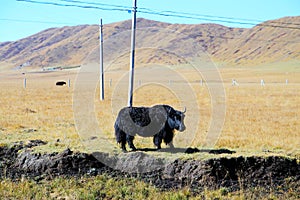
{"x":101,"y":62}
{"x":131,"y":73}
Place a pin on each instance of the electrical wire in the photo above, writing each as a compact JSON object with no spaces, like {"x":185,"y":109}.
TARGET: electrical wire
{"x":35,"y":21}
{"x":73,"y":5}
{"x":94,"y":3}
{"x":183,"y":15}
{"x":219,"y":20}
{"x":219,"y":17}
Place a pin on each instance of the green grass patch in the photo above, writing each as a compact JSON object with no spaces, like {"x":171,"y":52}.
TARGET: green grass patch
{"x":100,"y":187}
{"x":105,"y":187}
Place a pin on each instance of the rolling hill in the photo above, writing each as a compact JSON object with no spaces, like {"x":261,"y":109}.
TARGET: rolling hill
{"x":157,"y":42}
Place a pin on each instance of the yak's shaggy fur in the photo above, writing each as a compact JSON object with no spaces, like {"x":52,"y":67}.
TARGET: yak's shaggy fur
{"x":158,"y":121}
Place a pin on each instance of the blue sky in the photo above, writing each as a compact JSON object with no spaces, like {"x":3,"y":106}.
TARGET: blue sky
{"x":21,"y":19}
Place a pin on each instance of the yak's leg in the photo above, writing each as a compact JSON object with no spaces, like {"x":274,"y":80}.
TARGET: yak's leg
{"x":168,"y":138}
{"x":130,"y":139}
{"x":171,"y":145}
{"x":123,"y":146}
{"x":121,"y":138}
{"x":157,"y":141}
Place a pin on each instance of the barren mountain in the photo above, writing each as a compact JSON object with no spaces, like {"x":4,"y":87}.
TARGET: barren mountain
{"x":271,"y":41}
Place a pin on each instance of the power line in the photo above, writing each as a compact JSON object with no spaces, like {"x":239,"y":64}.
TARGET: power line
{"x":98,"y":4}
{"x":147,"y":10}
{"x":35,"y":21}
{"x":171,"y":14}
{"x":214,"y":36}
{"x":218,"y":17}
{"x":217,"y":20}
{"x":185,"y":15}
{"x":73,"y":5}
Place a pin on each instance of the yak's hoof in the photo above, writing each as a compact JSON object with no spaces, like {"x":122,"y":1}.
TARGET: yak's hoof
{"x":133,"y":149}
{"x":124,"y":150}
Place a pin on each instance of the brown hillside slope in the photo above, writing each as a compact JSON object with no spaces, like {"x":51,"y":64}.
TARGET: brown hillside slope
{"x":264,"y":43}
{"x":157,"y":42}
{"x":68,"y":45}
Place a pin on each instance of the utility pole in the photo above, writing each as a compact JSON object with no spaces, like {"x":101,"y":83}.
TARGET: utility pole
{"x":131,"y":74}
{"x":101,"y":62}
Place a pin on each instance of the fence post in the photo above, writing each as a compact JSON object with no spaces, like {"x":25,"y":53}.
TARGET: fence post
{"x":25,"y":82}
{"x":234,"y":82}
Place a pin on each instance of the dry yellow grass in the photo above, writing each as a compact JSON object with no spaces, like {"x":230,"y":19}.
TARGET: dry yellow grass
{"x":257,"y":118}
{"x":41,"y":111}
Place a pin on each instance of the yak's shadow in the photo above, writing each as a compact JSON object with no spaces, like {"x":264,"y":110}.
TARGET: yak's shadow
{"x":188,"y":150}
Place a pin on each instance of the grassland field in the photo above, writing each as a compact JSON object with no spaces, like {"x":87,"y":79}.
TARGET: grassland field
{"x":260,"y":120}
{"x":257,"y":117}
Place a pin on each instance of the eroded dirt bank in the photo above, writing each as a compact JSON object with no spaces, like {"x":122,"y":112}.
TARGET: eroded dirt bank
{"x":19,"y":161}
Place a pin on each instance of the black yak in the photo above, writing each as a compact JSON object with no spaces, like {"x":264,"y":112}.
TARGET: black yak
{"x":158,"y":121}
{"x":60,"y":83}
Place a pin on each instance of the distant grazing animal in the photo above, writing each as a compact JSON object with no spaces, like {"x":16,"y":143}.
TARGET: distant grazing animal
{"x":158,"y":122}
{"x":60,"y":83}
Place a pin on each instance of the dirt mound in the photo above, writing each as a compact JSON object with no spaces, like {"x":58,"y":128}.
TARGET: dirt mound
{"x":18,"y":161}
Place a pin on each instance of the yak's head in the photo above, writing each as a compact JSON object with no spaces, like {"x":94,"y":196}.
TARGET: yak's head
{"x":176,"y":119}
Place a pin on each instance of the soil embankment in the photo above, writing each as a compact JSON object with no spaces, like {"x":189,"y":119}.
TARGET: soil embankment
{"x":19,"y":161}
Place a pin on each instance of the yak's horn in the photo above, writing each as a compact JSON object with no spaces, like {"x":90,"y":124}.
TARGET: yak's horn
{"x":184,"y":110}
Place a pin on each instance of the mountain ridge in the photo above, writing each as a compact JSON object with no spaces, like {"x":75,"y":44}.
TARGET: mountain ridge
{"x":75,"y":45}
